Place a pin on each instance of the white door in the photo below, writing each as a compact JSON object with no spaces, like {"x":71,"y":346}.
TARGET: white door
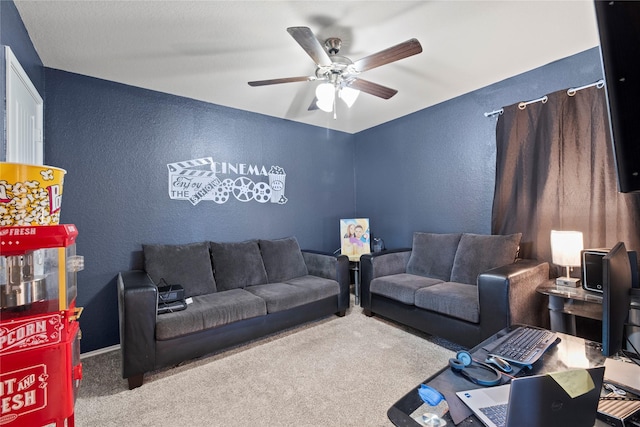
{"x":24,"y":115}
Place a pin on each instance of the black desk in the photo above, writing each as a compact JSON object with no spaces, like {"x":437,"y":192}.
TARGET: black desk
{"x":570,"y":352}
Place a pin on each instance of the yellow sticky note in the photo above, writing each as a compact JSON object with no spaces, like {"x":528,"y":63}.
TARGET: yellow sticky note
{"x":575,"y":382}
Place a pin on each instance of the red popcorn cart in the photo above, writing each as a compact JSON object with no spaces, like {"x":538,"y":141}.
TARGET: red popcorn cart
{"x":40,"y":369}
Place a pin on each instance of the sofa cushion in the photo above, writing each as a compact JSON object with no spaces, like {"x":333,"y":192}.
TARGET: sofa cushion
{"x":432,"y":254}
{"x":282,"y":296}
{"x":282,"y":259}
{"x":458,"y":300}
{"x":186,"y":265}
{"x":319,"y":287}
{"x":478,"y":253}
{"x":210,"y":311}
{"x":401,"y":287}
{"x":237,"y":265}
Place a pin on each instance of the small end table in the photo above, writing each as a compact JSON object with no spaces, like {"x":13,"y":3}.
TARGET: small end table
{"x":354,"y":265}
{"x":565,"y":303}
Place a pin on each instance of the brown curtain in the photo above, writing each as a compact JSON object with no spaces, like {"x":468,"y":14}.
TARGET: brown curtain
{"x":555,"y":170}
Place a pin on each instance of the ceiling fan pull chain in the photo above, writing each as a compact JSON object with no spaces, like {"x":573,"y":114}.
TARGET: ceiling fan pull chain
{"x":335,"y":104}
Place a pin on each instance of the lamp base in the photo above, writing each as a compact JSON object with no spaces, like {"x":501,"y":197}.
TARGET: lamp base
{"x":569,"y":282}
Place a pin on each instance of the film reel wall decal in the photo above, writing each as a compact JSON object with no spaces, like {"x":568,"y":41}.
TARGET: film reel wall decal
{"x":196,"y":180}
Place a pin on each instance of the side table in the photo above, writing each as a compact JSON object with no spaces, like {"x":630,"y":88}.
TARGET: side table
{"x":354,"y":265}
{"x":566,"y":303}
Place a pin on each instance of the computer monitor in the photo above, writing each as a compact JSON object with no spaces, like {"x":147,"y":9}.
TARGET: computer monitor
{"x":616,"y":283}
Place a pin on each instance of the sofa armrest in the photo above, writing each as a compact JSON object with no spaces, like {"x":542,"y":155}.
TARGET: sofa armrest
{"x":137,"y":306}
{"x":330,"y":266}
{"x":507,"y":295}
{"x":380,"y":264}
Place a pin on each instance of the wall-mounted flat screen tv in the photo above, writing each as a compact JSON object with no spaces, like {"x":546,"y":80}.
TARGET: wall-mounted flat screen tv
{"x":619,"y":29}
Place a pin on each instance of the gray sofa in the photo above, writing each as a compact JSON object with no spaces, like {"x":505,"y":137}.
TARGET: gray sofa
{"x":240,"y":291}
{"x":462,"y":287}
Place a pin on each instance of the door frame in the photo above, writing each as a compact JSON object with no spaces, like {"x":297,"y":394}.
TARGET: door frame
{"x":15,"y":75}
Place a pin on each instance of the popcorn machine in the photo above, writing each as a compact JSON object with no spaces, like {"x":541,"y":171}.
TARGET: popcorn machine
{"x":40,"y":369}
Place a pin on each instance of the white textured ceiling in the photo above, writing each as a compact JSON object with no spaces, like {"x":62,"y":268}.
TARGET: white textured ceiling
{"x":209,"y":50}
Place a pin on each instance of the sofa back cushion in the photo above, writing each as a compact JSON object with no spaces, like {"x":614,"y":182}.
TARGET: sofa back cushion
{"x":282,"y":259}
{"x":237,"y":265}
{"x":432,"y":255}
{"x":478,"y":253}
{"x":186,"y":265}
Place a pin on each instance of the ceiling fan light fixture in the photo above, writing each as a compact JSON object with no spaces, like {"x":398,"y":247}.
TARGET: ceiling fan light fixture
{"x":325,"y":106}
{"x":349,"y":95}
{"x":338,"y":73}
{"x":325,"y":92}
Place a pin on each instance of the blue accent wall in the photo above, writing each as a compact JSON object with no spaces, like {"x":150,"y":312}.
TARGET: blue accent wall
{"x":115,"y":141}
{"x":434,"y":170}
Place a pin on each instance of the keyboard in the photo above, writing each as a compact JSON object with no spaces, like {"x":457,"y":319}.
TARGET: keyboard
{"x":524,"y":345}
{"x":497,"y":414}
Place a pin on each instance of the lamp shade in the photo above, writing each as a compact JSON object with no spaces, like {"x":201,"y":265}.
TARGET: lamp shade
{"x":349,"y":95}
{"x":325,"y":92}
{"x":566,"y":247}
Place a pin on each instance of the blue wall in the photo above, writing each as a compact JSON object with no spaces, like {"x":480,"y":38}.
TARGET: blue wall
{"x":434,"y":170}
{"x":115,"y":141}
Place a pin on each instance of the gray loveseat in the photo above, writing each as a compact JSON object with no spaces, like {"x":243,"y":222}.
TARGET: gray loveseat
{"x":462,"y":287}
{"x":240,"y":291}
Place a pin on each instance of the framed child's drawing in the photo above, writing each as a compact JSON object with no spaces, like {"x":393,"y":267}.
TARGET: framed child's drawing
{"x":355,"y":237}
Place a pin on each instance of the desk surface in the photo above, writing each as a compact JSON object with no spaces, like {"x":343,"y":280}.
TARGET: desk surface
{"x":578,"y":293}
{"x":570,"y":352}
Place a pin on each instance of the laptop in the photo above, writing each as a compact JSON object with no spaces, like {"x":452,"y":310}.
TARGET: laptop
{"x":537,"y":400}
{"x":624,"y":374}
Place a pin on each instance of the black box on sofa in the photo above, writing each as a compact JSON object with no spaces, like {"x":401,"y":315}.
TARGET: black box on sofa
{"x":170,"y":293}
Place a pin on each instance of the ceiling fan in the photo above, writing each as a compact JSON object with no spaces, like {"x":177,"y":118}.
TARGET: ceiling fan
{"x":340,"y":75}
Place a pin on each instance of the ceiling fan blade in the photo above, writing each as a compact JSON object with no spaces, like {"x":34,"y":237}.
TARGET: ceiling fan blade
{"x":314,"y":104}
{"x":394,"y":53}
{"x":305,"y":38}
{"x":284,"y":80}
{"x":373,"y":88}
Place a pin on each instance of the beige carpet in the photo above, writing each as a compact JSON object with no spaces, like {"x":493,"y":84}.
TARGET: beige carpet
{"x":334,"y":372}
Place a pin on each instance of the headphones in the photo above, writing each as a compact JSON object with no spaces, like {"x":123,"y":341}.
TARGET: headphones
{"x":463,"y":360}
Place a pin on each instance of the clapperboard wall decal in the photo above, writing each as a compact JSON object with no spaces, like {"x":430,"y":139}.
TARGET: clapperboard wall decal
{"x":195,"y":180}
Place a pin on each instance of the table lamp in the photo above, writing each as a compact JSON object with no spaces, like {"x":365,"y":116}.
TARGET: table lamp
{"x":565,"y":251}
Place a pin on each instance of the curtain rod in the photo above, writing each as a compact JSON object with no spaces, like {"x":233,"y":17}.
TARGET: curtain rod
{"x":571,"y":92}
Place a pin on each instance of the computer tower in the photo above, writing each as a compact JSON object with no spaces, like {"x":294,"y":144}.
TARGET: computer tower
{"x":591,"y":260}
{"x":592,"y":268}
